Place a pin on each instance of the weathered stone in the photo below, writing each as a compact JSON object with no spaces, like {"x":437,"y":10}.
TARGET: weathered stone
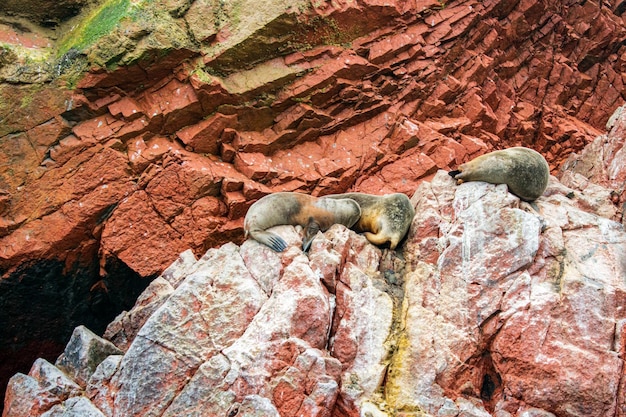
{"x":83,"y":353}
{"x":133,"y":221}
{"x":74,"y":407}
{"x":202,"y":20}
{"x":24,"y":397}
{"x":33,"y":394}
{"x":42,"y":12}
{"x":257,"y":332}
{"x":204,"y":137}
{"x":172,"y":106}
{"x":179,"y":337}
{"x":37,"y":106}
{"x":342,"y":89}
{"x":98,"y":388}
{"x":142,"y":153}
{"x":316,"y":98}
{"x":492,"y":288}
{"x":362,"y":326}
{"x":602,"y":162}
{"x":124,"y":328}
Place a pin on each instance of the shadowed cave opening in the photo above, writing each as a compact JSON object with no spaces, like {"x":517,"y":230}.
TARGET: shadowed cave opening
{"x":41,"y":304}
{"x":491,"y":387}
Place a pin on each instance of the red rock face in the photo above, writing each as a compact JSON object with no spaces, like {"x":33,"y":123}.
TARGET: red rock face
{"x":142,"y":162}
{"x":176,"y":164}
{"x":492,"y":307}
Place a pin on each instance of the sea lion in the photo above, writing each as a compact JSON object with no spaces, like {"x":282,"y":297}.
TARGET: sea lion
{"x":384,"y":218}
{"x":523,"y":170}
{"x":312,"y":213}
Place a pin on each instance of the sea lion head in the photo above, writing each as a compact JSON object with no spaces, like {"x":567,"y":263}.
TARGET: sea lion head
{"x":310,"y":231}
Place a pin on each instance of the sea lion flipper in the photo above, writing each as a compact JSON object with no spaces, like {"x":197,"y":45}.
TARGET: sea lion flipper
{"x":454,"y":173}
{"x":275,"y":242}
{"x":380,"y":239}
{"x":306,"y":244}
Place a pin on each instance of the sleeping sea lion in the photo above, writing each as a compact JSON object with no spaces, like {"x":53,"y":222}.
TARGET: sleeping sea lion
{"x":523,"y":170}
{"x":312,"y":213}
{"x":384,"y":218}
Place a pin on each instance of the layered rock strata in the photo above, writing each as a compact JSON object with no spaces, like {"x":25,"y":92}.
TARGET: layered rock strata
{"x":158,"y":156}
{"x":141,"y":129}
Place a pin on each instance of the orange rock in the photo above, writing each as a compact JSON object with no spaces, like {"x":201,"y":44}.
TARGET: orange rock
{"x":204,"y":137}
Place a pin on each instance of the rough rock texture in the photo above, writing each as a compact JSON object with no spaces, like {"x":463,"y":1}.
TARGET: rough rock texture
{"x":161,"y":155}
{"x":138,"y":130}
{"x":509,"y":308}
{"x":494,"y":307}
{"x":240,"y":329}
{"x":43,"y":12}
{"x":602,"y":163}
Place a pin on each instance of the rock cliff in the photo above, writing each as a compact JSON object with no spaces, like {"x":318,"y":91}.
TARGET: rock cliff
{"x":363,"y":95}
{"x":133,"y":131}
{"x":493,"y":307}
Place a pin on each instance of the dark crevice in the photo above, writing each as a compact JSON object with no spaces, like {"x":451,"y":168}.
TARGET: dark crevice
{"x":41,"y":303}
{"x":491,"y":388}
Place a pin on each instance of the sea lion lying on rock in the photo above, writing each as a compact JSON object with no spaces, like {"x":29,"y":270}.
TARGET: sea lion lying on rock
{"x":523,"y":170}
{"x":312,"y":213}
{"x":384,"y":218}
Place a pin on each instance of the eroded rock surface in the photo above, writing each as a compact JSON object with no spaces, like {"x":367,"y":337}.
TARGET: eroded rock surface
{"x":357,"y":96}
{"x":497,"y":308}
{"x":510,"y":308}
{"x":125,"y":145}
{"x":243,"y":328}
{"x":601,"y":164}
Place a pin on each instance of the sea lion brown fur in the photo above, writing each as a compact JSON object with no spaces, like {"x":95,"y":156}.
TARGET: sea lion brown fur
{"x":312,"y":213}
{"x":384,"y":218}
{"x":523,"y":170}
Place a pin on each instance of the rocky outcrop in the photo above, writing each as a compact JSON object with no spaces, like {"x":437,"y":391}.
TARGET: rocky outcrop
{"x":137,"y":130}
{"x":494,"y":307}
{"x":239,"y":330}
{"x":602,"y":164}
{"x":362,"y":96}
{"x":510,"y":310}
{"x":44,"y":13}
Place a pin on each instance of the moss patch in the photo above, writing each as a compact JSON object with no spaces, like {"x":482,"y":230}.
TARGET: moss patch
{"x":93,"y":27}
